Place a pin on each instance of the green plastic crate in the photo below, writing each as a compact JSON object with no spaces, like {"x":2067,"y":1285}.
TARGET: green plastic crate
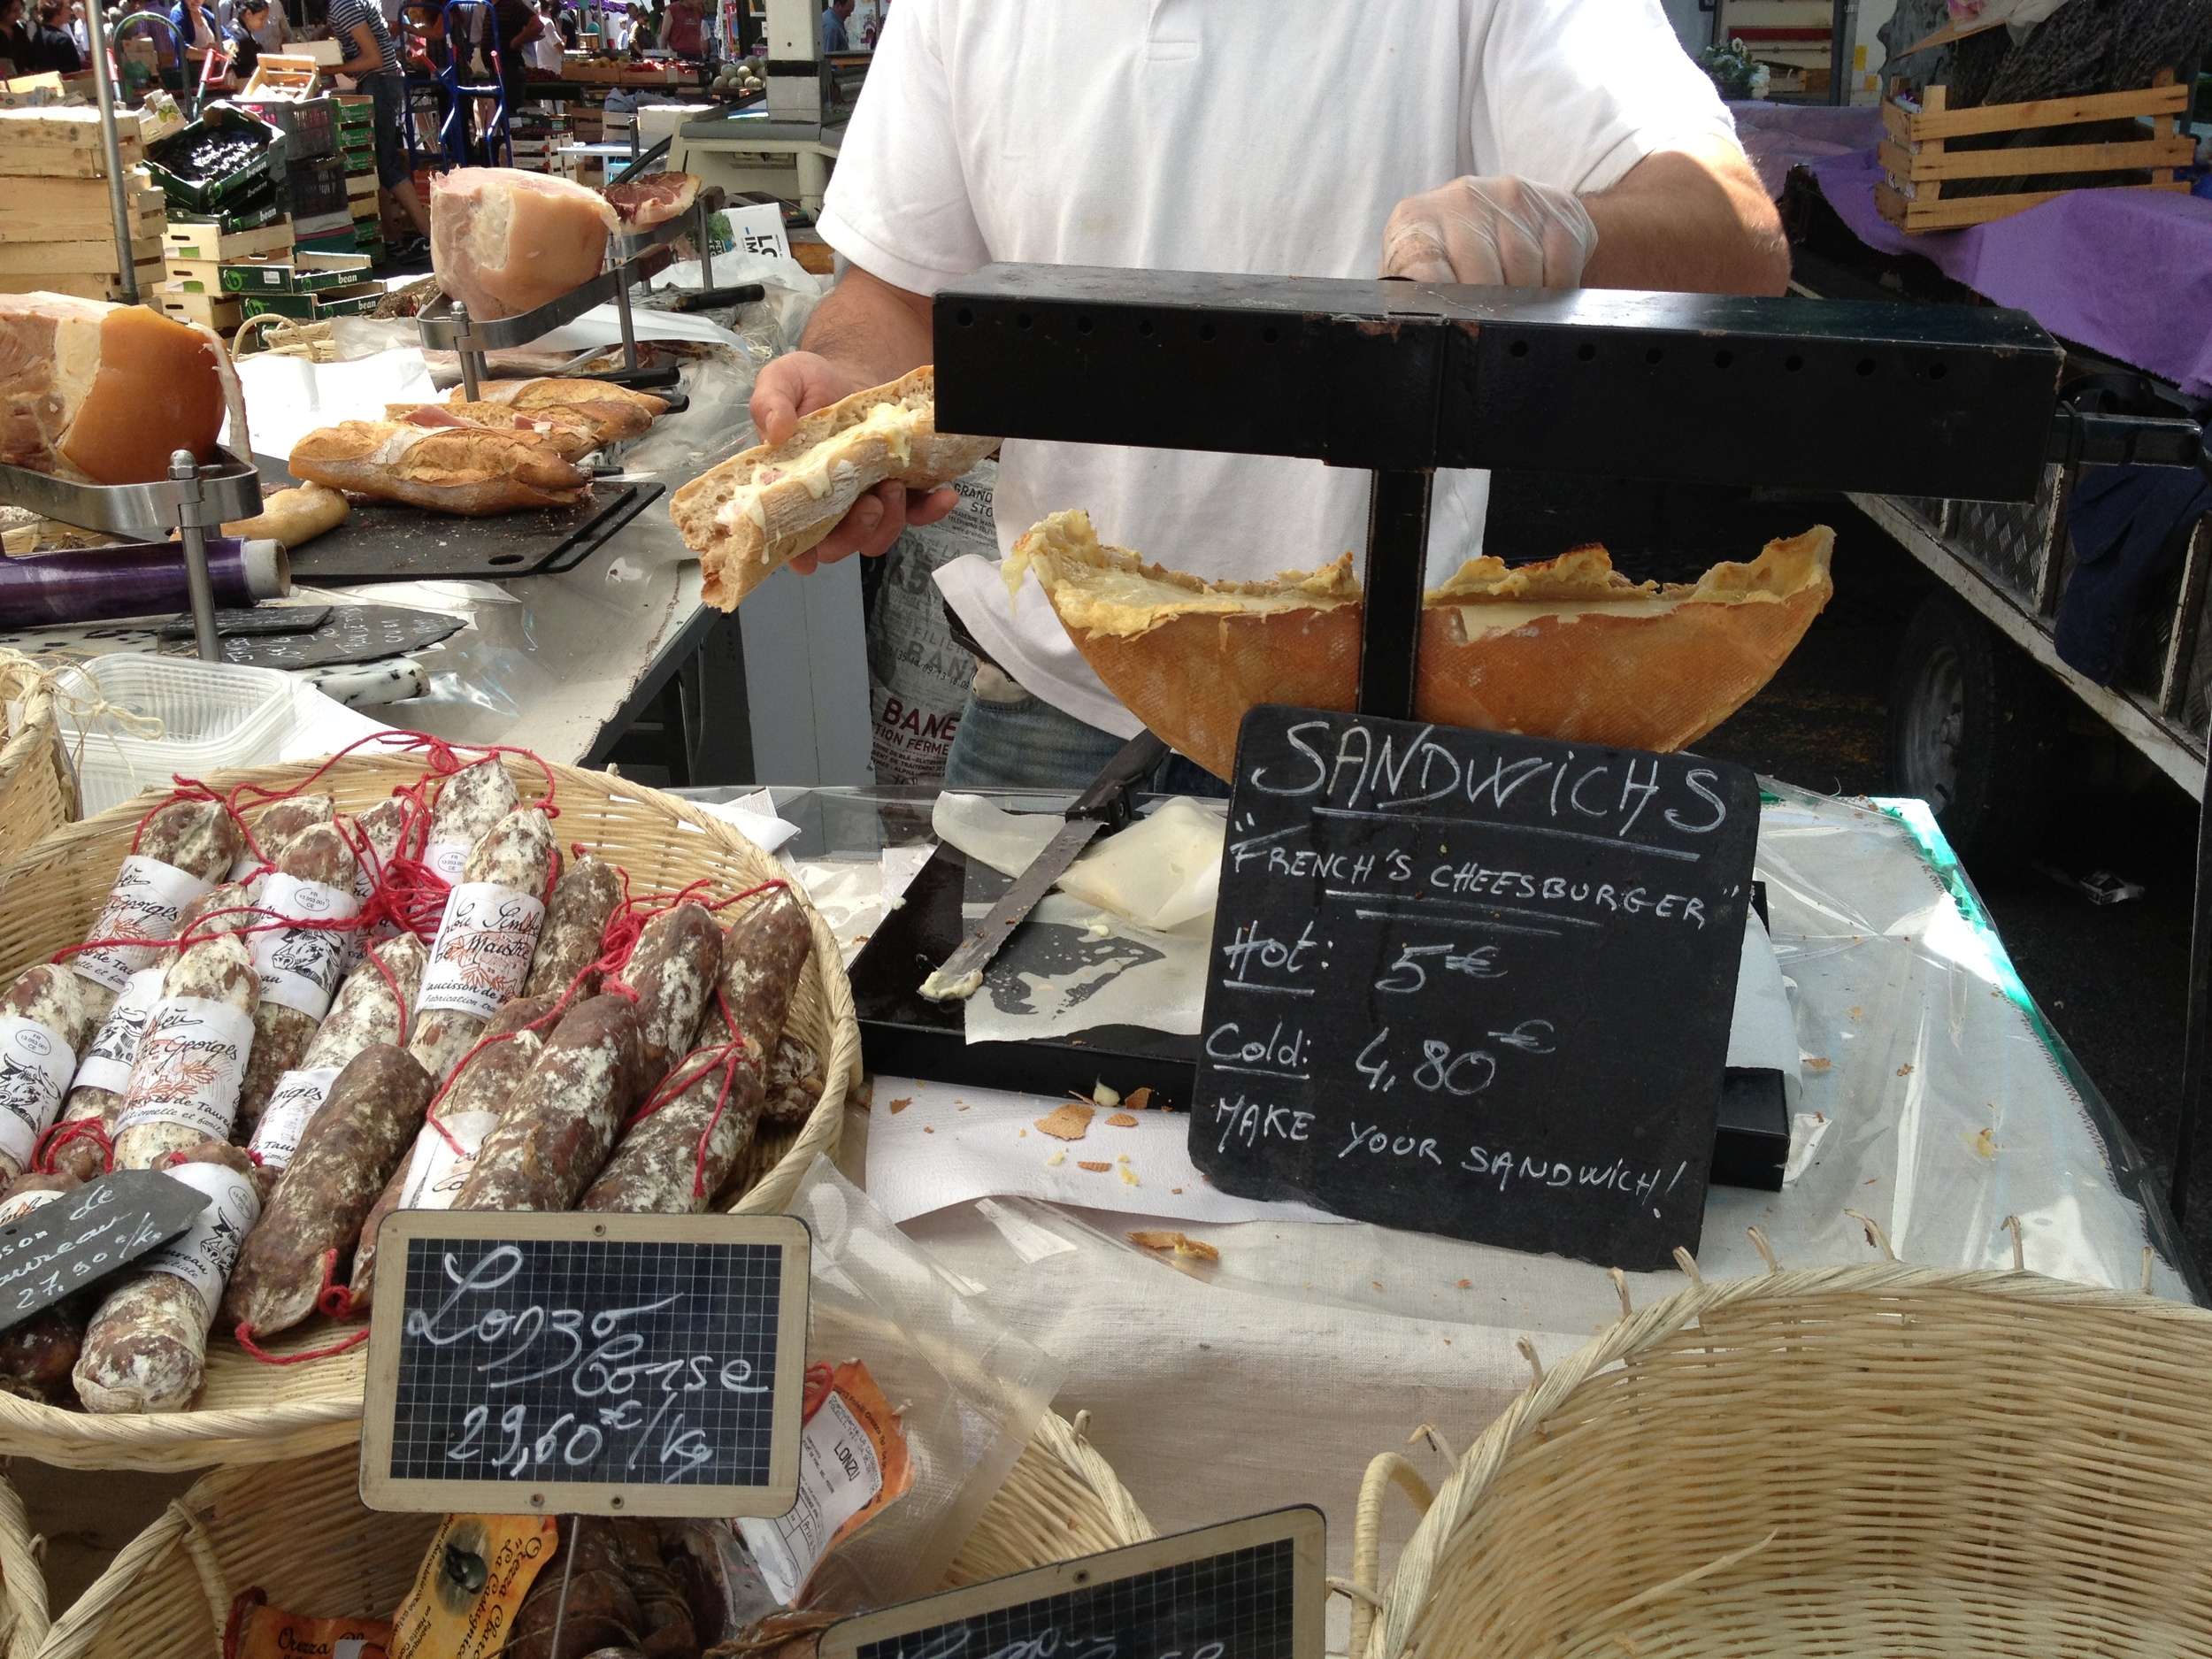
{"x":303,"y":272}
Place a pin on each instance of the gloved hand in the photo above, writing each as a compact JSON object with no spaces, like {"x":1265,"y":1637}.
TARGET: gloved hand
{"x":1513,"y":232}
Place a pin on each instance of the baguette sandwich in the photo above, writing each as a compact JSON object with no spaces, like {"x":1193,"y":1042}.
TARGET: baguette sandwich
{"x":760,"y":510}
{"x":614,"y":412}
{"x":459,"y":468}
{"x":1567,"y":649}
{"x":570,"y":437}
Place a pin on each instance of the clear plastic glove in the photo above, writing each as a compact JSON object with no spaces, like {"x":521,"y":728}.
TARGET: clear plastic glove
{"x":1510,"y":232}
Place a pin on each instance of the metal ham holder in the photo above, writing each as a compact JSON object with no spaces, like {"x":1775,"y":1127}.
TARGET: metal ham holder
{"x":446,"y":325}
{"x":193,"y":499}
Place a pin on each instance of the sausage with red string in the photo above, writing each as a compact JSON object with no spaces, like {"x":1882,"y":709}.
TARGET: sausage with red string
{"x":795,"y":1084}
{"x":184,"y":1084}
{"x":445,"y":1151}
{"x":671,"y":969}
{"x":46,"y":1020}
{"x":276,"y":826}
{"x":481,"y":956}
{"x":146,"y":1349}
{"x":347,"y":1154}
{"x":300,"y":967}
{"x":674,"y":1159}
{"x":182,"y":850}
{"x":575,"y":923}
{"x":37,"y":1352}
{"x":552,"y":1141}
{"x":371,"y":1007}
{"x":471,"y":802}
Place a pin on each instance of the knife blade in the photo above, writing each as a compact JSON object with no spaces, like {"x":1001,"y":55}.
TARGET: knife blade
{"x":1099,"y":810}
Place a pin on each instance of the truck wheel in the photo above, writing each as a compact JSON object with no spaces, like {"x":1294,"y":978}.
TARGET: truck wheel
{"x":1975,"y":727}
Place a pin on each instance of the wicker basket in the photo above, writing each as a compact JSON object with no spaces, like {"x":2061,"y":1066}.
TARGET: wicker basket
{"x":298,"y":1531}
{"x":253,"y":1412}
{"x":22,"y":1580}
{"x":1842,"y":1461}
{"x":38,"y":791}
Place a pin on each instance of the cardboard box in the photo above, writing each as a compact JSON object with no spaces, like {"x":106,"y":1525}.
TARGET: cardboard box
{"x":296,"y":273}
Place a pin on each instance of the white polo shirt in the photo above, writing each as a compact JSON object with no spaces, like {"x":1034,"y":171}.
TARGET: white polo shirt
{"x":1252,"y":136}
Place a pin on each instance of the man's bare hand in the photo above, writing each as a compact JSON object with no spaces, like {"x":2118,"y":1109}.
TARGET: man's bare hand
{"x":874,"y":524}
{"x":796,"y":385}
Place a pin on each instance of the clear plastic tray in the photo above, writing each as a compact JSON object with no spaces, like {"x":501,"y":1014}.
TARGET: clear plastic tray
{"x":213,"y":715}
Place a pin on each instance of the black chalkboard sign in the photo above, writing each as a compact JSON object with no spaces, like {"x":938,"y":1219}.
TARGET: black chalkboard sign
{"x":78,"y":1238}
{"x":1474,"y":983}
{"x":1248,"y":1589}
{"x":581,"y":1363}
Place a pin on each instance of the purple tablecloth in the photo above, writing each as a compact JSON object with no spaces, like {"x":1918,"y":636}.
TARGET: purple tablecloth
{"x":2126,"y":272}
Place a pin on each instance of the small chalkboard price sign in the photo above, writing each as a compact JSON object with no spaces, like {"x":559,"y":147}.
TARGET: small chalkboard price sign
{"x":1248,"y":1589}
{"x":1475,"y":984}
{"x":581,"y":1364}
{"x":81,"y":1237}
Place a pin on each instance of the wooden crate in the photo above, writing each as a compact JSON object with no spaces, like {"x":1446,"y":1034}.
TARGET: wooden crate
{"x":197,"y":239}
{"x":62,"y":143}
{"x":65,"y":209}
{"x":284,"y":76}
{"x":196,"y":276}
{"x":1916,"y":163}
{"x":90,"y":256}
{"x":358,"y":184}
{"x":84,"y":285}
{"x":217,"y":312}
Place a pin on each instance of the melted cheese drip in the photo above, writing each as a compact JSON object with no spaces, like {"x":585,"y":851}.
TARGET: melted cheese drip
{"x":819,"y":470}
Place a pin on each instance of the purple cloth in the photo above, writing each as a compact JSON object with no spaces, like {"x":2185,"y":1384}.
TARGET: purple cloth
{"x":1779,"y":136}
{"x":2127,"y":271}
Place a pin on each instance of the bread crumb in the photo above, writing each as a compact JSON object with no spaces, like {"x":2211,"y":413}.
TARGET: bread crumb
{"x":1177,"y":1191}
{"x":1821,"y":1064}
{"x":1104,"y":1096}
{"x":1096,"y":1168}
{"x":1121,"y":1158}
{"x":1466,"y":1284}
{"x":1121,"y":1120}
{"x":1154,"y":1238}
{"x":1022,"y":1135}
{"x":1129,"y":1177}
{"x":901,"y":1103}
{"x":929,"y":1129}
{"x":1139,"y":1100}
{"x":1985,"y":1145}
{"x":1377,"y":1283}
{"x":1071,"y":1121}
{"x":964,"y":1106}
{"x":1904,"y":1071}
{"x":1059,"y":1157}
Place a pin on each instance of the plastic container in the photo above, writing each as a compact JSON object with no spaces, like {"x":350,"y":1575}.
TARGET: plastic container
{"x":213,"y":715}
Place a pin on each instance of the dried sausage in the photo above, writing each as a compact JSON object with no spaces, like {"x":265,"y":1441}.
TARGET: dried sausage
{"x":184,"y":1084}
{"x":345,"y":1157}
{"x":552,"y":1140}
{"x":795,"y":1084}
{"x":299,"y":967}
{"x":276,"y":826}
{"x":445,"y":1151}
{"x":482,"y":955}
{"x":46,"y":1019}
{"x":575,"y":923}
{"x":146,"y":1349}
{"x":675,"y":1158}
{"x":671,"y":969}
{"x":183,"y":848}
{"x":371,"y":1008}
{"x":473,"y":801}
{"x":36,"y":1353}
{"x":601,"y":1612}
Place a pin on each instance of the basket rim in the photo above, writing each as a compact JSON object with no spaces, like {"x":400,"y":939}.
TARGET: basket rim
{"x":1402,"y":1603}
{"x":253,"y":1435}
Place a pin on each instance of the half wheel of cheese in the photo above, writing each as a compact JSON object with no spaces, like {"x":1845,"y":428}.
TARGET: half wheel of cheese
{"x":1569,"y":648}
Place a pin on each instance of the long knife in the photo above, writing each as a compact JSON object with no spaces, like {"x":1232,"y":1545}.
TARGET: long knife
{"x":1099,"y":810}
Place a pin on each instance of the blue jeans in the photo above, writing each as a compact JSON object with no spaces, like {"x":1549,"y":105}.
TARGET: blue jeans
{"x":1029,"y":744}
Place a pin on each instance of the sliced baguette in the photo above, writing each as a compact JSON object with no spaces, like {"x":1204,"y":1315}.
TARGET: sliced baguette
{"x":468,"y":470}
{"x":760,"y":510}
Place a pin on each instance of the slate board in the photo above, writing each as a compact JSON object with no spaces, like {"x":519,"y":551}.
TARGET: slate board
{"x":345,"y":633}
{"x":81,"y":1237}
{"x":585,"y":1364}
{"x":1248,"y":1589}
{"x":1474,"y":983}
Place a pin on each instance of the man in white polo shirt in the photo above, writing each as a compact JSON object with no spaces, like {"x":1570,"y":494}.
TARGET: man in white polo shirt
{"x":1552,"y":143}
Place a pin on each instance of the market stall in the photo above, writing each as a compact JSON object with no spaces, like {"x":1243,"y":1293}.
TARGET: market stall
{"x":463,"y":1202}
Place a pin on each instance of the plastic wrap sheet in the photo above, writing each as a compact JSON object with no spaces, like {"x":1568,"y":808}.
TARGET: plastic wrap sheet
{"x":1339,"y":1341}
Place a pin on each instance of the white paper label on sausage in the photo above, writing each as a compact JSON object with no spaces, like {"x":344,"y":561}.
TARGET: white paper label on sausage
{"x":13,"y":1209}
{"x":190,"y":1063}
{"x":203,"y":1254}
{"x":447,"y":858}
{"x":297,"y":1097}
{"x":437,"y":1169}
{"x":482,"y":953}
{"x":36,"y":1067}
{"x":144,"y":903}
{"x":107,"y":1063}
{"x":300,"y":967}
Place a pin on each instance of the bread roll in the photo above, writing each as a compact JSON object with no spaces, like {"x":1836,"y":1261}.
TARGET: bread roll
{"x":101,"y":394}
{"x":1568,"y":648}
{"x":761,"y":509}
{"x":502,"y":241}
{"x":292,"y":516}
{"x":468,"y":470}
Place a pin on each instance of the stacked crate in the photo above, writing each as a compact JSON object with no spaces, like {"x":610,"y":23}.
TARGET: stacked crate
{"x":198,"y":251}
{"x":57,"y":226}
{"x":357,"y":147}
{"x":305,"y":286}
